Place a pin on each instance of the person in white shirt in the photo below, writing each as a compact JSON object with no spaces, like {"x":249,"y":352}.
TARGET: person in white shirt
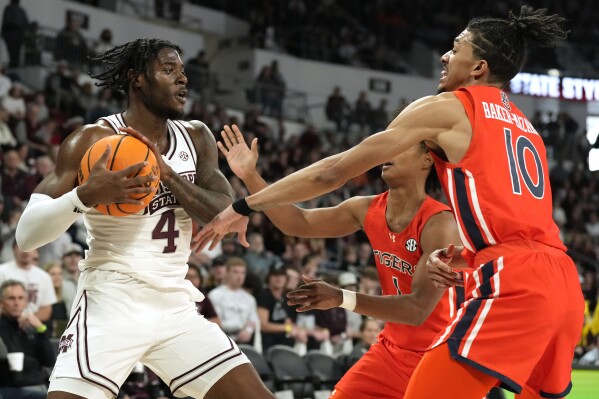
{"x":40,"y":290}
{"x":235,"y":307}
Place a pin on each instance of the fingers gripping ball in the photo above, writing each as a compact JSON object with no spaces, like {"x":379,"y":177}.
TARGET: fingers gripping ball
{"x":125,"y":151}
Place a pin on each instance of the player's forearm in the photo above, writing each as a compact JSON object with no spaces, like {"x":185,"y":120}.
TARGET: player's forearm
{"x":403,"y":309}
{"x":331,"y":173}
{"x":45,"y":219}
{"x":201,"y":204}
{"x":313,"y":181}
{"x":288,"y":218}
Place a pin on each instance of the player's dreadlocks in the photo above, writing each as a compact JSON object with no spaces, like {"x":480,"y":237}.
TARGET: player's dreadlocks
{"x":136,"y":55}
{"x":504,"y":43}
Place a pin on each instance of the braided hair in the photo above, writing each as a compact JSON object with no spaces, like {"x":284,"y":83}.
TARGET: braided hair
{"x":135,"y":55}
{"x":504,"y":43}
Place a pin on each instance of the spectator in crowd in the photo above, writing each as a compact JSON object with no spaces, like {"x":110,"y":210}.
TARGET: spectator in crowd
{"x":29,"y":338}
{"x":43,"y":166}
{"x":61,"y":89}
{"x":54,"y":250}
{"x":234,"y":306}
{"x":337,"y":109}
{"x":217,"y":273}
{"x":369,"y":281}
{"x":7,"y":138}
{"x":40,"y":291}
{"x":39,"y":99}
{"x":334,"y":321}
{"x":269,"y":90}
{"x":103,"y":106}
{"x":369,"y":332}
{"x":365,"y":255}
{"x":33,"y":44}
{"x":198,"y":73}
{"x":230,"y":247}
{"x":277,"y":318}
{"x":71,"y":45}
{"x":14,"y":24}
{"x":362,"y":111}
{"x":205,"y":308}
{"x":16,"y":183}
{"x":5,"y":83}
{"x":259,"y":260}
{"x":14,"y":104}
{"x":72,"y":254}
{"x":33,"y":127}
{"x":65,"y":295}
{"x":379,"y":118}
{"x":349,"y":259}
{"x":7,"y":232}
{"x":294,"y":278}
{"x":104,"y":42}
{"x":310,"y":265}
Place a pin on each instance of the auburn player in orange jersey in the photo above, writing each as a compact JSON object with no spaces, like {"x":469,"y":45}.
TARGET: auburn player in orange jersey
{"x":523,"y":310}
{"x":404,"y":225}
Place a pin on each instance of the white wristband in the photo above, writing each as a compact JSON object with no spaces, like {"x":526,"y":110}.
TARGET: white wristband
{"x":349,"y":300}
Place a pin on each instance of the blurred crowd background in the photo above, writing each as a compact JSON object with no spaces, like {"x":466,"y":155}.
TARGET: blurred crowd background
{"x":245,"y":288}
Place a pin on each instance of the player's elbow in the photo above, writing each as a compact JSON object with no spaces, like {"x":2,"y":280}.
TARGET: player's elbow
{"x":25,"y":239}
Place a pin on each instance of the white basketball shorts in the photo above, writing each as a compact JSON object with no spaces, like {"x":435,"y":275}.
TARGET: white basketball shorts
{"x":118,"y":320}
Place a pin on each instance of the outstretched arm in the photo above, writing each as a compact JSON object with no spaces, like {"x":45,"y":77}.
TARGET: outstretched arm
{"x":338,"y":221}
{"x":440,"y":120}
{"x":413,"y":308}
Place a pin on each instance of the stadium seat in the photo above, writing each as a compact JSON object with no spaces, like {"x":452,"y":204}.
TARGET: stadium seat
{"x":325,"y":370}
{"x":290,"y":371}
{"x":260,"y":364}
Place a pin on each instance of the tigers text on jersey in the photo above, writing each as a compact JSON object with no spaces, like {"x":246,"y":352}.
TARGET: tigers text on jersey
{"x":499,"y":191}
{"x":153,"y":244}
{"x":396,"y":256}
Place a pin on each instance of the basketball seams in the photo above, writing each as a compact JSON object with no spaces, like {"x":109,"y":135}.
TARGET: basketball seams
{"x":115,"y":152}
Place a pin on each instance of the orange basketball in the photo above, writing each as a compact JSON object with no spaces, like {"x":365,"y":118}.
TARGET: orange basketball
{"x":126,"y":150}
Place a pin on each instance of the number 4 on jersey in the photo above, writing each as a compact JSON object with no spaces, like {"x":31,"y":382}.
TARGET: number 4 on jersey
{"x":169,"y":234}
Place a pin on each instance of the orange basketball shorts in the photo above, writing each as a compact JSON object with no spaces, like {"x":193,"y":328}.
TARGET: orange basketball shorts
{"x":521,"y":318}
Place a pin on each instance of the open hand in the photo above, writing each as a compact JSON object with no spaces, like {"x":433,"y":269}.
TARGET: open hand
{"x":228,"y":221}
{"x":241,"y":159}
{"x":315,"y":294}
{"x":439,"y":265}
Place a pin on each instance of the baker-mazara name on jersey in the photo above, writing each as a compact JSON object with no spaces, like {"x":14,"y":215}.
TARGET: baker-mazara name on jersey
{"x":496,"y":111}
{"x":164,"y":198}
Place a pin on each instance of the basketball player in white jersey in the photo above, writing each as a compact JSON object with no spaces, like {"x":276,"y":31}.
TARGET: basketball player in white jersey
{"x":133,"y":301}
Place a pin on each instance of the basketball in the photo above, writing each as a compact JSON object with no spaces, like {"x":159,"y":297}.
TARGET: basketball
{"x":126,"y":150}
